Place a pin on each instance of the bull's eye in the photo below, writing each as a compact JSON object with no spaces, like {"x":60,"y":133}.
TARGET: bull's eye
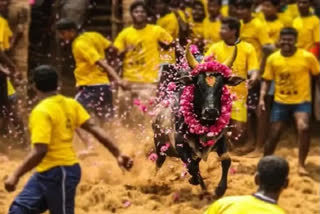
{"x":210,"y":80}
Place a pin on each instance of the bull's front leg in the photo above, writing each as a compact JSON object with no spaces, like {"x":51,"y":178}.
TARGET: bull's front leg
{"x":159,"y":140}
{"x":185,"y":154}
{"x":225,"y":163}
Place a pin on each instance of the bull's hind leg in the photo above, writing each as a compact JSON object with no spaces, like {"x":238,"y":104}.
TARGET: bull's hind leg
{"x":185,"y":154}
{"x":225,"y":163}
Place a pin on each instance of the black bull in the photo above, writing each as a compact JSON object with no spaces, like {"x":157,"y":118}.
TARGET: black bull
{"x":169,"y":126}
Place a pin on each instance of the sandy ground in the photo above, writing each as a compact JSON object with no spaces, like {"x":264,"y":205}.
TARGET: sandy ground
{"x":104,"y":188}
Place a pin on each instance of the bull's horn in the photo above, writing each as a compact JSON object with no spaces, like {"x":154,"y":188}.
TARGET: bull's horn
{"x":190,"y":58}
{"x":229,"y":62}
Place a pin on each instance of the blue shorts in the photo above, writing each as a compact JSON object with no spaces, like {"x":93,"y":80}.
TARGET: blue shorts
{"x":283,"y":112}
{"x":52,"y":190}
{"x":96,"y":99}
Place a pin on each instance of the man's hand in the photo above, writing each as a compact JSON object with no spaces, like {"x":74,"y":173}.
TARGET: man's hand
{"x":11,"y":183}
{"x":124,"y":84}
{"x":4,"y":70}
{"x":125,"y":162}
{"x":262,"y":104}
{"x":253,"y":80}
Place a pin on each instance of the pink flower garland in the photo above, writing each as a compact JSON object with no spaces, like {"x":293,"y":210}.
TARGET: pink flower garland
{"x":187,"y":97}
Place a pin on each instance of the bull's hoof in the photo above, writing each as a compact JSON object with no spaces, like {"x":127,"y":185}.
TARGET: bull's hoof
{"x":197,"y":181}
{"x":220,"y":190}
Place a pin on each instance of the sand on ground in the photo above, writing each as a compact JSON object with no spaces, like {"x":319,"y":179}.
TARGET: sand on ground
{"x":104,"y":188}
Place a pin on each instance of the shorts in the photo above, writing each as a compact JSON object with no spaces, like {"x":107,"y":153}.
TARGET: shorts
{"x":96,"y":99}
{"x":52,"y":190}
{"x":239,"y":110}
{"x":283,"y":112}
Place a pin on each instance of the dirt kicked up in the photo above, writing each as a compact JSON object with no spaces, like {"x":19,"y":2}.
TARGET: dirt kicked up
{"x":105,"y":189}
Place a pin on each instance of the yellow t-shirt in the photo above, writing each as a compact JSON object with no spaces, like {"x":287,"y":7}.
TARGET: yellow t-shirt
{"x":170,"y":23}
{"x":225,"y":10}
{"x":197,"y":30}
{"x":87,"y":49}
{"x":292,"y":76}
{"x":243,"y":205}
{"x":245,"y":61}
{"x":142,"y":57}
{"x":53,"y":122}
{"x":308,"y":31}
{"x":273,"y":29}
{"x":286,"y":18}
{"x":212,"y":31}
{"x":255,"y":33}
{"x":293,"y":10}
{"x":5,"y":36}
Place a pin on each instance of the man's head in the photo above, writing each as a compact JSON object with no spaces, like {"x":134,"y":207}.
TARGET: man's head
{"x":214,"y":7}
{"x":138,"y":11}
{"x":244,"y":8}
{"x":45,"y":78}
{"x":67,"y":29}
{"x":272,"y":174}
{"x":288,"y":39}
{"x":4,"y":6}
{"x":198,"y":12}
{"x":270,"y":7}
{"x":230,"y":28}
{"x":304,"y":6}
{"x":161,"y":6}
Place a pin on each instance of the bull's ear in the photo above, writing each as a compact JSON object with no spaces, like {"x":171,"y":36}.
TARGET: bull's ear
{"x":233,"y":80}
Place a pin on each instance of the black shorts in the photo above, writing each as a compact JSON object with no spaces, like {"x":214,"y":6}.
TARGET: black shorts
{"x":96,"y":99}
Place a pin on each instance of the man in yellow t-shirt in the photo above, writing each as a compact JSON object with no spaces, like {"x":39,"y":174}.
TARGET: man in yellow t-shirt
{"x":252,"y":29}
{"x":197,"y":25}
{"x":271,"y":18}
{"x":52,"y":124}
{"x":246,"y":62}
{"x":139,"y":47}
{"x":92,"y":70}
{"x":291,"y":69}
{"x":272,"y":179}
{"x":212,"y":23}
{"x":308,"y":26}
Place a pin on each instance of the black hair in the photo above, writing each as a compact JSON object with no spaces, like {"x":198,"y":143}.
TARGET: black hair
{"x":273,"y":172}
{"x":275,"y":3}
{"x":289,"y":31}
{"x":233,"y":23}
{"x":199,"y":3}
{"x":136,"y":4}
{"x":244,"y":3}
{"x":66,"y":24}
{"x":213,"y":1}
{"x":45,"y":78}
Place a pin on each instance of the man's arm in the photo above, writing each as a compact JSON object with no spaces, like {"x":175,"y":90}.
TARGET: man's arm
{"x":110,"y":71}
{"x":265,"y":86}
{"x":32,"y":160}
{"x":98,"y":133}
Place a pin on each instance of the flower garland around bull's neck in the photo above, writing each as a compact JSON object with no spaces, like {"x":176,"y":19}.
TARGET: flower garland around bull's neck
{"x":187,"y":97}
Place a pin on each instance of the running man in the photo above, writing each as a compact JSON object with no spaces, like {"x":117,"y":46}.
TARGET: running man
{"x":52,"y":124}
{"x":291,"y":69}
{"x":272,"y":179}
{"x":139,"y":47}
{"x":245,"y":63}
{"x":92,"y":70}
